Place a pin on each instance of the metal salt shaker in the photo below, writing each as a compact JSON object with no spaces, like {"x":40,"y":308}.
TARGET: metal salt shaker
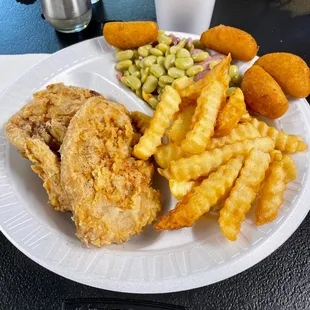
{"x":67,"y":15}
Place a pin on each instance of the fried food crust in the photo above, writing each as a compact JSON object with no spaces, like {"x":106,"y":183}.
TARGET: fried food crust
{"x":225,"y":39}
{"x":290,"y":71}
{"x":110,"y":190}
{"x":263,"y":94}
{"x":127,"y":35}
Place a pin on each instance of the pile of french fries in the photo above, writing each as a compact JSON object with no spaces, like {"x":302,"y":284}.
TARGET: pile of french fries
{"x":215,"y":155}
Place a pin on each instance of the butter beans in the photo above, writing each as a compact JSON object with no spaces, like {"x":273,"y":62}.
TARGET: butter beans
{"x":175,"y":73}
{"x":150,"y":84}
{"x":233,"y":71}
{"x":132,"y":69}
{"x":169,"y":61}
{"x":124,"y":55}
{"x":200,"y":56}
{"x":156,"y":52}
{"x":162,"y":47}
{"x":143,"y":51}
{"x":123,"y":65}
{"x":198,"y":44}
{"x":157,"y":70}
{"x":192,"y":71}
{"x":164,"y":39}
{"x":161,"y":60}
{"x":166,"y":79}
{"x":131,"y":81}
{"x":182,"y":53}
{"x":144,"y":74}
{"x":149,"y":60}
{"x":184,"y":63}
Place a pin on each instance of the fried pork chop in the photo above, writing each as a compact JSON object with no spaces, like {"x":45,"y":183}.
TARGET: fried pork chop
{"x":110,"y":190}
{"x":38,"y":129}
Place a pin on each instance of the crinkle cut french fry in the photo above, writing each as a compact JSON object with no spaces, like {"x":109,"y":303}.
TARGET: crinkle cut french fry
{"x":180,"y":189}
{"x":181,"y":124}
{"x":219,"y":72}
{"x":208,"y":106}
{"x":191,"y":168}
{"x":271,"y":198}
{"x":140,"y":120}
{"x":242,"y":132}
{"x":246,"y":117}
{"x":243,"y":193}
{"x":165,"y":153}
{"x":166,"y":108}
{"x":230,"y":114}
{"x":275,"y":155}
{"x":202,"y":197}
{"x":285,"y":143}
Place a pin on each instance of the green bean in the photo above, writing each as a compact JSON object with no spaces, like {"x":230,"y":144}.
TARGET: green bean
{"x":137,"y":74}
{"x":184,"y":63}
{"x":192,"y":71}
{"x":143,"y":51}
{"x":162,"y":47}
{"x":230,"y":91}
{"x":183,"y":53}
{"x":157,"y":70}
{"x":175,"y":73}
{"x":124,"y":55}
{"x":123,"y":65}
{"x":144,"y":74}
{"x":164,"y":39}
{"x":156,"y":52}
{"x":132,"y":82}
{"x":161,"y":60}
{"x":126,"y":73}
{"x":161,"y":85}
{"x":153,"y":102}
{"x":233,"y":71}
{"x":132,"y":69}
{"x":169,"y":61}
{"x":200,"y":56}
{"x":149,"y":60}
{"x":197,"y":44}
{"x":150,"y":84}
{"x":166,"y":79}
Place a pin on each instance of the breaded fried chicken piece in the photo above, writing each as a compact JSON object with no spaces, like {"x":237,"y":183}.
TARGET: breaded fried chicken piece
{"x":37,"y":131}
{"x":110,"y":190}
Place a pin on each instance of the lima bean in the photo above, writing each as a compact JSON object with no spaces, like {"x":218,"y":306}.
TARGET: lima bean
{"x":132,"y":69}
{"x":176,"y":73}
{"x":183,"y":53}
{"x":153,"y":102}
{"x":198,"y":44}
{"x":233,"y":71}
{"x":184,"y":63}
{"x":156,"y":52}
{"x":162,"y":47}
{"x":166,"y":79}
{"x":137,"y":74}
{"x":144,"y":74}
{"x":123,"y":65}
{"x":144,"y":52}
{"x":192,"y":71}
{"x":161,"y":60}
{"x":213,"y":64}
{"x":230,"y":91}
{"x":164,"y":39}
{"x":157,"y":70}
{"x":149,"y":60}
{"x":200,"y":56}
{"x":150,"y":84}
{"x":161,"y":85}
{"x":124,"y":55}
{"x":169,"y":61}
{"x":126,"y":73}
{"x":132,"y":82}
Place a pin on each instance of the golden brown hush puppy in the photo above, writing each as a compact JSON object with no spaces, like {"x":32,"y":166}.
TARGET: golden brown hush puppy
{"x":289,"y":70}
{"x":225,"y":39}
{"x":126,"y":35}
{"x":263,"y":94}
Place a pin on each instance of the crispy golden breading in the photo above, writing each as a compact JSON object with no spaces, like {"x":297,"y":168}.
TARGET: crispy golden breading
{"x":219,"y":73}
{"x":283,"y":142}
{"x":180,"y":189}
{"x":140,"y":120}
{"x":225,"y":39}
{"x":166,"y":108}
{"x":47,"y":165}
{"x":127,"y":35}
{"x":195,"y":166}
{"x":243,"y":131}
{"x":165,"y":153}
{"x":243,"y":193}
{"x":181,"y":124}
{"x":263,"y":94}
{"x":230,"y":115}
{"x":110,"y":190}
{"x":271,"y":198}
{"x":202,"y":197}
{"x":38,"y":129}
{"x":204,"y":118}
{"x":289,"y":70}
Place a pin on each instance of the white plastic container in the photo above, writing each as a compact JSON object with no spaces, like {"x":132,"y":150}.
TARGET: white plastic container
{"x":192,"y":16}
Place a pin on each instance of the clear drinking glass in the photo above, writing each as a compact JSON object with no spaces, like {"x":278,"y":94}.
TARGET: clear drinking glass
{"x":67,"y":15}
{"x":192,"y":16}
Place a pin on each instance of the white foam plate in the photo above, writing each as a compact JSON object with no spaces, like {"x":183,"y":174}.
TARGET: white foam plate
{"x":153,"y":262}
